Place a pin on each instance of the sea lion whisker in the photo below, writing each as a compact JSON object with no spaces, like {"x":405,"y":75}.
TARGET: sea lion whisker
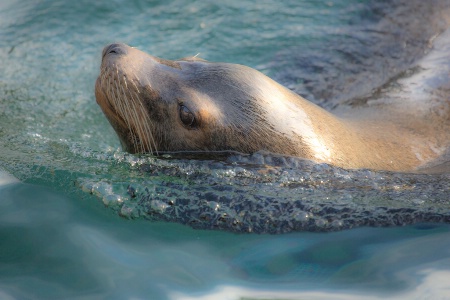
{"x":138,"y":124}
{"x":134,"y":84}
{"x":120,"y":104}
{"x":108,"y":84}
{"x":113,"y":98}
{"x":124,"y":78}
{"x":116,"y":103}
{"x":126,"y":114}
{"x":148,"y":130}
{"x":123,"y":104}
{"x":148,"y":126}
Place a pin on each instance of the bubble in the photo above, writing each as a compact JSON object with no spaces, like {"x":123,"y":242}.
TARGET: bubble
{"x":101,"y":188}
{"x":214,"y":205}
{"x":158,"y":206}
{"x":337,"y":224}
{"x":129,"y":211}
{"x":301,"y":216}
{"x":321,"y":223}
{"x":418,"y":201}
{"x":119,"y":156}
{"x":112,"y":200}
{"x":132,"y":160}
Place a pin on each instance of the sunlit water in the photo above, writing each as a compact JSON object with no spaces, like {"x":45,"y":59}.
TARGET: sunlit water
{"x":77,"y":224}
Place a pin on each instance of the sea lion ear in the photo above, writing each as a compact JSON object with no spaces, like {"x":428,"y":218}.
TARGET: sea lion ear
{"x":193,"y":58}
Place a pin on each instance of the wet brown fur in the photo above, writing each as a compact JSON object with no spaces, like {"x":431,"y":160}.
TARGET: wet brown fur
{"x":237,"y":108}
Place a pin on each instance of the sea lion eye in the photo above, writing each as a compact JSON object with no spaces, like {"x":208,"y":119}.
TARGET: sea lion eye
{"x":187,"y":117}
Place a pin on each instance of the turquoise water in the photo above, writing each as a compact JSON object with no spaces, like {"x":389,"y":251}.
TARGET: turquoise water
{"x":59,"y":247}
{"x":70,"y":228}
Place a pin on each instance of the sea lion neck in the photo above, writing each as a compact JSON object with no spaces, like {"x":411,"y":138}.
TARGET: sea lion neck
{"x":358,"y":141}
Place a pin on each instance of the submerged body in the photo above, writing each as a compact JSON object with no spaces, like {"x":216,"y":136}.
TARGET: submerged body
{"x":194,"y":105}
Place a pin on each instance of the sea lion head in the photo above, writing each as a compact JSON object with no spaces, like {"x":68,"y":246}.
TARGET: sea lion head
{"x":190,"y":104}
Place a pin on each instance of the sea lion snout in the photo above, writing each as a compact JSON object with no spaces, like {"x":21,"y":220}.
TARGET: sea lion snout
{"x":116,"y":48}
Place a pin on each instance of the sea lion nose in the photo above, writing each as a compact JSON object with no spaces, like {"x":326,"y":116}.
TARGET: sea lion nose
{"x":116,"y":48}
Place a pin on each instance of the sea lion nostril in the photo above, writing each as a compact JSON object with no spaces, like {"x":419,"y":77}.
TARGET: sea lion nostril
{"x":115,"y":48}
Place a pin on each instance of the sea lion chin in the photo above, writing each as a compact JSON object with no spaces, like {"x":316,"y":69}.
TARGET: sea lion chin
{"x":191,"y":104}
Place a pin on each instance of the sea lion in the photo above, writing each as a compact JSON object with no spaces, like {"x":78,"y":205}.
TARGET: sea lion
{"x":195,"y":105}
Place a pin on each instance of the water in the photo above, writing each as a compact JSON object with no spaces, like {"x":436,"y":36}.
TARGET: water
{"x":72,"y":228}
{"x":56,"y":247}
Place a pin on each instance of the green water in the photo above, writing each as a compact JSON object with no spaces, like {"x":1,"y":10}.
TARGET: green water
{"x":59,"y":241}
